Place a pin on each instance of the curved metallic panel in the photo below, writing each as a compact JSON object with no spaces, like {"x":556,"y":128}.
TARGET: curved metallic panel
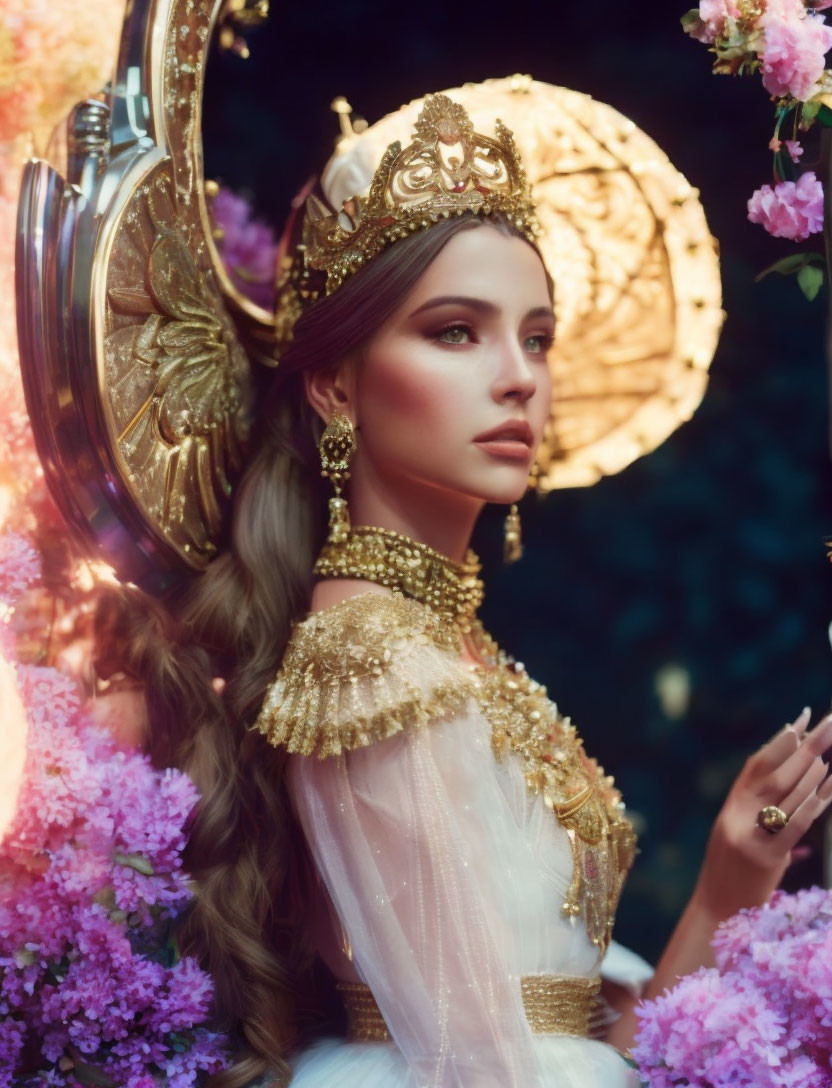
{"x":135,"y":375}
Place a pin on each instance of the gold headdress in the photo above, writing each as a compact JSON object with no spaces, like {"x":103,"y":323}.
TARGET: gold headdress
{"x":448,"y":169}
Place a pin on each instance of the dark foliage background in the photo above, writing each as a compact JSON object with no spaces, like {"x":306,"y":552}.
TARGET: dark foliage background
{"x":707,"y":555}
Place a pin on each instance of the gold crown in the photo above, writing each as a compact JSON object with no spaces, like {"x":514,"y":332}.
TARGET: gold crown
{"x":448,"y":169}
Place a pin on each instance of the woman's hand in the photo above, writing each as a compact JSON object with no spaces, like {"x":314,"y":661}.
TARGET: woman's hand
{"x":744,"y":863}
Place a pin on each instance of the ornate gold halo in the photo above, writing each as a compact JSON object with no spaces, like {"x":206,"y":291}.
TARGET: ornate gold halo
{"x":636,"y":271}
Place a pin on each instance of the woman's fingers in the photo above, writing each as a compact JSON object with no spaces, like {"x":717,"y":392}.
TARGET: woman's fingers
{"x":785,"y":742}
{"x":807,"y":785}
{"x":782,"y":779}
{"x":801,"y":722}
{"x":803,"y":817}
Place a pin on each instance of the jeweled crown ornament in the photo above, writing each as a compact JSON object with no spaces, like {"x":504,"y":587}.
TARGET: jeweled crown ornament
{"x":448,"y":169}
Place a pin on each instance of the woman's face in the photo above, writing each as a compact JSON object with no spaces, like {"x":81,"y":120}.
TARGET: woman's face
{"x":453,"y":391}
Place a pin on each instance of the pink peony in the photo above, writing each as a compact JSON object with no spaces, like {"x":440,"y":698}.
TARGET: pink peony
{"x":791,"y":209}
{"x":793,"y":53}
{"x":713,"y":15}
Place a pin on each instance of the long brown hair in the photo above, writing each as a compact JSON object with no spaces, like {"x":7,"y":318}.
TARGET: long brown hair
{"x":247,"y":856}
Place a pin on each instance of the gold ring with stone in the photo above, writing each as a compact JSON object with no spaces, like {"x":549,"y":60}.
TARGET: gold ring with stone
{"x":772,"y":819}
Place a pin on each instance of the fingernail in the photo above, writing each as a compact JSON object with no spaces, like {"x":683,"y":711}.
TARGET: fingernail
{"x":802,"y":720}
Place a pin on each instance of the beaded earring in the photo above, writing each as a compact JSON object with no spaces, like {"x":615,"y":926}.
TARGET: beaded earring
{"x":512,"y":530}
{"x":336,"y":447}
{"x":512,"y":538}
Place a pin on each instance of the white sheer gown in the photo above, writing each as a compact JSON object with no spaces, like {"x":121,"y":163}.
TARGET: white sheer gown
{"x":447,"y":876}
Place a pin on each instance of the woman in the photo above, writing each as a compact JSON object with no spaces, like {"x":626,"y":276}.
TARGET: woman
{"x":422,"y":822}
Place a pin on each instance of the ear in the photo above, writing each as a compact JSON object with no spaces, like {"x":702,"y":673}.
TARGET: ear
{"x":328,"y":390}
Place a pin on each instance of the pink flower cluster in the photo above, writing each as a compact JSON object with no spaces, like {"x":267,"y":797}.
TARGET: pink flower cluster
{"x":247,"y":247}
{"x":786,"y":39}
{"x":713,"y":19}
{"x":793,"y":49}
{"x":792,"y":209}
{"x":787,"y":42}
{"x":91,"y":879}
{"x":19,"y":565}
{"x":762,"y":1017}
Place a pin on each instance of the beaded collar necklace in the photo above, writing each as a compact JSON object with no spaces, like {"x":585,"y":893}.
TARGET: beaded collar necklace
{"x":453,"y":590}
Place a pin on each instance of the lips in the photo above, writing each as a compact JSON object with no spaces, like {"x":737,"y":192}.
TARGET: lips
{"x":513,"y":431}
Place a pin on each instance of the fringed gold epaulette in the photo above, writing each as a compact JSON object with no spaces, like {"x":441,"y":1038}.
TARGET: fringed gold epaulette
{"x":362,"y":671}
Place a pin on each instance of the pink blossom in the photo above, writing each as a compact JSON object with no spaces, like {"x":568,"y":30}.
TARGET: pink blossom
{"x":785,"y":9}
{"x":793,"y":53}
{"x":19,"y":565}
{"x":713,"y":15}
{"x":790,"y":209}
{"x":794,"y":149}
{"x":763,"y":1018}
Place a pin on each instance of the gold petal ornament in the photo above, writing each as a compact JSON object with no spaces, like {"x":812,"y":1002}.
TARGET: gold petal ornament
{"x":624,"y":236}
{"x":136,"y":351}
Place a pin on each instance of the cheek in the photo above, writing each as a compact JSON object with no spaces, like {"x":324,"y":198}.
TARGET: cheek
{"x":407,"y":397}
{"x":542,"y":403}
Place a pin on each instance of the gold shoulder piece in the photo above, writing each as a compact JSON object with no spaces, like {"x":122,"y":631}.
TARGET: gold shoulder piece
{"x":363,"y":671}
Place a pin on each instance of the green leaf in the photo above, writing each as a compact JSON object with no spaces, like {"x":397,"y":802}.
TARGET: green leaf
{"x":809,"y":112}
{"x":786,"y":266}
{"x":690,"y":20}
{"x":135,"y":861}
{"x":810,"y":281}
{"x":825,"y":116}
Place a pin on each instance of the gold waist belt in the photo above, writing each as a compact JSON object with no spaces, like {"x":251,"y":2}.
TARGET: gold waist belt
{"x":554,"y":1004}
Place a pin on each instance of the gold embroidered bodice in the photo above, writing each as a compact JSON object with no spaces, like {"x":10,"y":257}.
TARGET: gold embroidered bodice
{"x":378,"y":664}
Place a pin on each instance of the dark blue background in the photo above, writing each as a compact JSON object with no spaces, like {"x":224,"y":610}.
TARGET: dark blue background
{"x":710,"y":552}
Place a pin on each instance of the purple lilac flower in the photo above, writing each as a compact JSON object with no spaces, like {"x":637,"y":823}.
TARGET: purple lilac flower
{"x":247,"y":247}
{"x":762,"y":1017}
{"x":90,"y":877}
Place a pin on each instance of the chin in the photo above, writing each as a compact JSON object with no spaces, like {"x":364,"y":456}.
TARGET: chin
{"x":504,"y":494}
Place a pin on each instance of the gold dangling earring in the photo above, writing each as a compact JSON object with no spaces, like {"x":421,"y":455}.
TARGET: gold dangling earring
{"x":512,"y":539}
{"x":512,"y":530}
{"x":336,"y":447}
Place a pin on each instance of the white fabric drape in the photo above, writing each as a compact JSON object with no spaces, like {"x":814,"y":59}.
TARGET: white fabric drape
{"x":447,"y":876}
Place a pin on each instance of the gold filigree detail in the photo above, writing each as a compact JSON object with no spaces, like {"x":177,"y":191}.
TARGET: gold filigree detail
{"x":453,"y":590}
{"x":554,"y":1005}
{"x":362,"y":671}
{"x":584,"y":800}
{"x":448,"y":169}
{"x":176,"y":375}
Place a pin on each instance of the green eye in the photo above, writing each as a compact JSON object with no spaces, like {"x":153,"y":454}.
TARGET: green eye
{"x":455,"y":334}
{"x":540,"y":344}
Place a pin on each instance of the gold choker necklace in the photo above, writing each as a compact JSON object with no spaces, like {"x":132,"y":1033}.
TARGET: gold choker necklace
{"x":453,"y":590}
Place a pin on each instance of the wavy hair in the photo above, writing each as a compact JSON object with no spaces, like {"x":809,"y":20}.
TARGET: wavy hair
{"x":205,"y":657}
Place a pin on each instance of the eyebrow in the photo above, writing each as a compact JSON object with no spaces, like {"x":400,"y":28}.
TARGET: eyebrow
{"x":477,"y":304}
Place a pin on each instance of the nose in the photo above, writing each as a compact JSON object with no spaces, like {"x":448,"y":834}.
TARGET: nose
{"x":516,"y":378}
